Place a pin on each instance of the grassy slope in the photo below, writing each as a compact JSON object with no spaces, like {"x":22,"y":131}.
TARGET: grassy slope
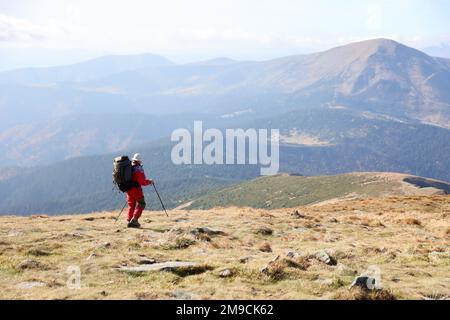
{"x":406,"y":237}
{"x":289,"y":191}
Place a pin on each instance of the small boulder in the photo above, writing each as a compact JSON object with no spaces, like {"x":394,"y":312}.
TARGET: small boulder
{"x":75,"y":235}
{"x":265,"y":247}
{"x":264,"y":270}
{"x":293,"y":255}
{"x":32,"y":264}
{"x":329,"y":237}
{"x":244,"y":259}
{"x":324,"y":257}
{"x":225,"y":273}
{"x":165,"y":266}
{"x":38,"y":253}
{"x":365,"y":282}
{"x":92,"y":256}
{"x":265,"y":231}
{"x":207,"y":231}
{"x":146,"y":260}
{"x":298,"y":215}
{"x":30,"y":285}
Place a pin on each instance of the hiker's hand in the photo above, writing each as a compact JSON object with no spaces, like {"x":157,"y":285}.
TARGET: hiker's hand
{"x":150,"y":182}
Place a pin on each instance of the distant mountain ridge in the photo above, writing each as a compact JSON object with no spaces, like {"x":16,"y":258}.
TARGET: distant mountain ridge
{"x":83,"y":71}
{"x":379,"y":76}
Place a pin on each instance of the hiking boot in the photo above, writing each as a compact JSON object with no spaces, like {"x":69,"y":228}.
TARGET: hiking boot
{"x":134,"y":224}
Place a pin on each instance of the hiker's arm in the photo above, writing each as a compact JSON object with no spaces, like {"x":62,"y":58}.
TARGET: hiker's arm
{"x":142,"y":179}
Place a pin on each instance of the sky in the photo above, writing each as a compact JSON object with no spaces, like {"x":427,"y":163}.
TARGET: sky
{"x":49,"y":32}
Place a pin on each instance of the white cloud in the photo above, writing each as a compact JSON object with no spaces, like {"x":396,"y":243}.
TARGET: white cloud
{"x":18,"y":31}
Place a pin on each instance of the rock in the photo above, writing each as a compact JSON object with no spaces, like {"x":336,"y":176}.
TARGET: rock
{"x":147,"y":261}
{"x":75,"y":235}
{"x":365,"y":282}
{"x":89,"y":219}
{"x":244,"y":259}
{"x":38,"y":253}
{"x":265,"y":247}
{"x":207,"y":231}
{"x":32,"y":264}
{"x":30,"y":285}
{"x":274,"y":259}
{"x":92,"y":256}
{"x":104,"y":293}
{"x":225,"y":273}
{"x":264,"y":270}
{"x":181,"y":220}
{"x":297,"y":214}
{"x":265,"y":231}
{"x":165,"y":266}
{"x":293,"y":255}
{"x":333,"y":220}
{"x":324,"y":257}
{"x":329,"y":237}
{"x":107,"y":245}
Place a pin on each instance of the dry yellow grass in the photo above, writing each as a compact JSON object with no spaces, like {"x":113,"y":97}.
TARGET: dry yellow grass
{"x":413,"y":259}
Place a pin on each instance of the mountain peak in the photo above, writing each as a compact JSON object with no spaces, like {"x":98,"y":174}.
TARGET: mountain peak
{"x":386,"y":46}
{"x":382,"y":42}
{"x":374,"y":45}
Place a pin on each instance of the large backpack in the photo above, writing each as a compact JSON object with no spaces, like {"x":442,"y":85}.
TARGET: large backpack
{"x":123,"y":173}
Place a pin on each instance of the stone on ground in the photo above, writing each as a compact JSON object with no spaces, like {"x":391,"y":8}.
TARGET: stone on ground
{"x":165,"y":266}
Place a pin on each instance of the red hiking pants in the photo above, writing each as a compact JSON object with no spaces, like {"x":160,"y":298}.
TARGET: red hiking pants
{"x":136,"y":203}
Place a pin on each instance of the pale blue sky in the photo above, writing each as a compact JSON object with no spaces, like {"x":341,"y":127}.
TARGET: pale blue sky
{"x":195,"y":29}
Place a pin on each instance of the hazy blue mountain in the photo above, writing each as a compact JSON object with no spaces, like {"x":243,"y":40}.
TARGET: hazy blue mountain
{"x":365,"y":98}
{"x":66,"y":137}
{"x":378,"y":75}
{"x":83,"y":71}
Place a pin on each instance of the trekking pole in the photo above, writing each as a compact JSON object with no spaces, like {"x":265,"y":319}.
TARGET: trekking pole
{"x":121,"y":211}
{"x":162,"y":204}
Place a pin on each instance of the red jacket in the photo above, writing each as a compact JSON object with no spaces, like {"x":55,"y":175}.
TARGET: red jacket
{"x":141,"y":179}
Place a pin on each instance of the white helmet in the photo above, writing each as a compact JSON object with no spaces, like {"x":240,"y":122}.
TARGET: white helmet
{"x":137,"y":157}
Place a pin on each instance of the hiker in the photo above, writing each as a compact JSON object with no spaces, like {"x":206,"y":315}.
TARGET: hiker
{"x":135,"y":196}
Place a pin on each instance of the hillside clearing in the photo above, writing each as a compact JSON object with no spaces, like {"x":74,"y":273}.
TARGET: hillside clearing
{"x":288,"y":191}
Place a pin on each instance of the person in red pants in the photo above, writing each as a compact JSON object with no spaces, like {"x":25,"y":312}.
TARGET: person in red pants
{"x":135,"y":196}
